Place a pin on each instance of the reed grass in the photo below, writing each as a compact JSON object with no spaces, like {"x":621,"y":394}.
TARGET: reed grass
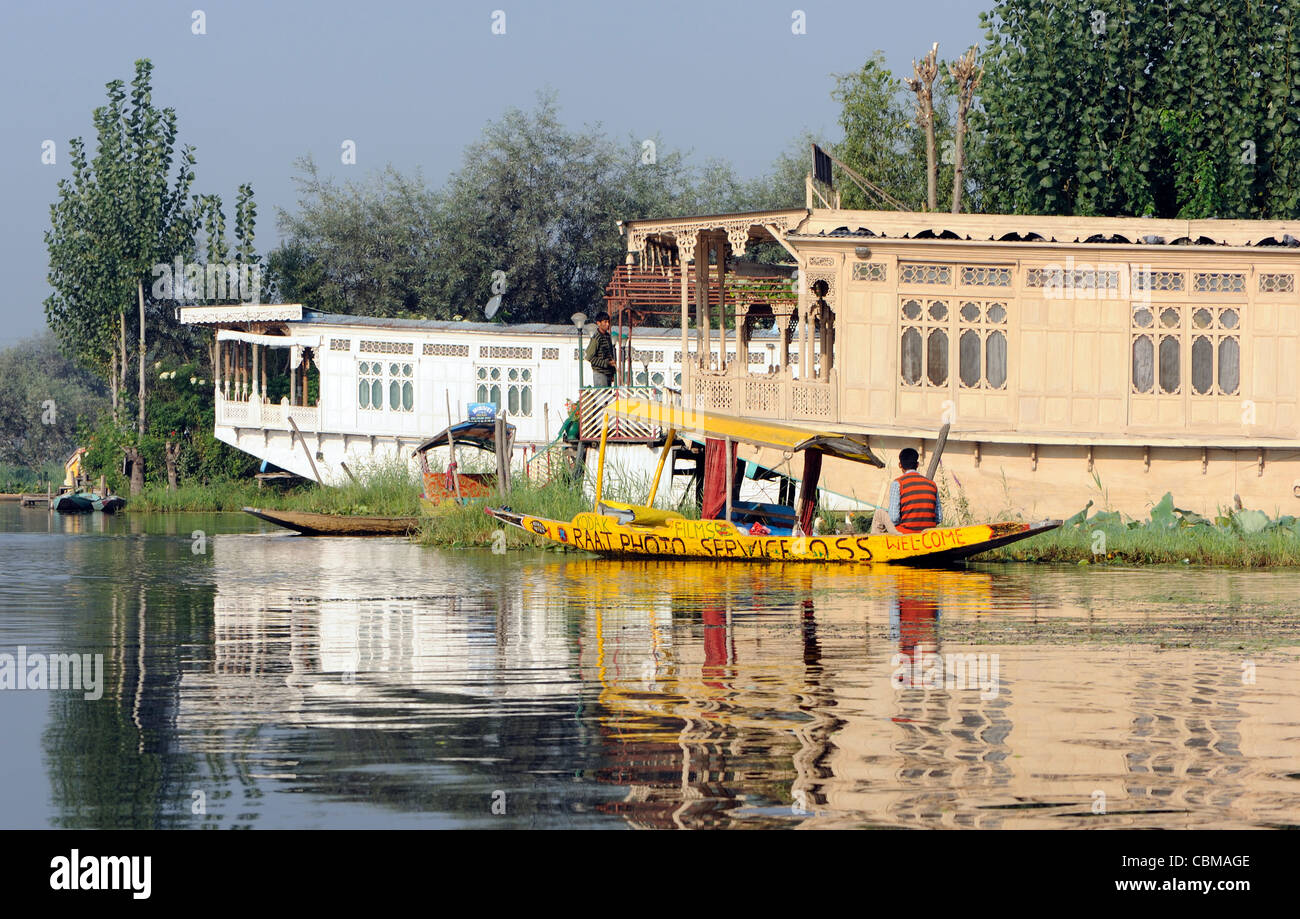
{"x":384,"y":489}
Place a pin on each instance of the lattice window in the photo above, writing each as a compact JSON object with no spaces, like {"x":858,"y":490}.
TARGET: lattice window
{"x":1276,"y":283}
{"x":1177,"y":345}
{"x":654,"y":379}
{"x":505,"y":352}
{"x":982,"y":344}
{"x":550,"y":354}
{"x":374,"y":377}
{"x":1057,"y":278}
{"x":923,"y":349}
{"x":388,"y":347}
{"x":445,"y":349}
{"x":656,"y":357}
{"x":919,"y":273}
{"x":516,"y":383}
{"x":870,"y":271}
{"x":1218,"y":282}
{"x":370,"y":385}
{"x":1146,"y":279}
{"x":986,"y":275}
{"x":340,"y":344}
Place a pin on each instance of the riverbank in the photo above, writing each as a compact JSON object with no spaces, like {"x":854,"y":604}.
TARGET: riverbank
{"x":1240,"y":538}
{"x":385,"y":492}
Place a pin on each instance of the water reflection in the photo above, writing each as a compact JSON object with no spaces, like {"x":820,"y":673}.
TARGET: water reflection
{"x":281,"y":681}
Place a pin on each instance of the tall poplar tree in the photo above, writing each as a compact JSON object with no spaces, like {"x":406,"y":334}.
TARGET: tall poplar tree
{"x":119,"y":215}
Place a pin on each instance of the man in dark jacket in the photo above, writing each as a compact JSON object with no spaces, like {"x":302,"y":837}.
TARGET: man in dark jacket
{"x":600,"y":353}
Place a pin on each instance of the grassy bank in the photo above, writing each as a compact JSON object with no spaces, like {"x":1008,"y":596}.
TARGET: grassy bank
{"x":1169,"y":536}
{"x":384,"y":490}
{"x":468,"y":525}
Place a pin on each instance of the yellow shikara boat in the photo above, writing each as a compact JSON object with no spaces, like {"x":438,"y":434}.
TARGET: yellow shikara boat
{"x":748,"y":531}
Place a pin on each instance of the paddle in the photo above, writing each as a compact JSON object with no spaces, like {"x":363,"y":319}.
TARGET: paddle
{"x":938,"y":452}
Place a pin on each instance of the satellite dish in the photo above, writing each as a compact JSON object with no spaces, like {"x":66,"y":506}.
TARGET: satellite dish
{"x":492,"y":306}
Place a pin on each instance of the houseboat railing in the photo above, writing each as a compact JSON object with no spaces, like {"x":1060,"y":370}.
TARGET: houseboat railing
{"x":775,"y":396}
{"x":255,"y":413}
{"x":592,"y":401}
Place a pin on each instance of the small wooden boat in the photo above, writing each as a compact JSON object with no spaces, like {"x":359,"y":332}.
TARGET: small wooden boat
{"x":309,"y":524}
{"x":748,"y":531}
{"x":445,"y":489}
{"x":84,"y":502}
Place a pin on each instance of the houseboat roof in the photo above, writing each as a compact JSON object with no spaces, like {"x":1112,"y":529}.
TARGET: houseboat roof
{"x":815,"y":223}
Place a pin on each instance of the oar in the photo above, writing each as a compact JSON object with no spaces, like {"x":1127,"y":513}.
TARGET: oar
{"x":938,"y":452}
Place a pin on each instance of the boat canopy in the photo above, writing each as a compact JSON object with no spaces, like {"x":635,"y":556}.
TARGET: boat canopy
{"x":784,"y":437}
{"x":480,"y":434}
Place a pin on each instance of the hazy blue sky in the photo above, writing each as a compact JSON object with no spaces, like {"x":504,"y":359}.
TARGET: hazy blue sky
{"x":413,"y":83}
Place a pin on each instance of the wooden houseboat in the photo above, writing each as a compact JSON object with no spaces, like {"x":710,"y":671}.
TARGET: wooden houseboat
{"x":1075,"y":358}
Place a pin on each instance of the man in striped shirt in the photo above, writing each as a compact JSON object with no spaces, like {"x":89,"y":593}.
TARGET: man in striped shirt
{"x":913,"y":500}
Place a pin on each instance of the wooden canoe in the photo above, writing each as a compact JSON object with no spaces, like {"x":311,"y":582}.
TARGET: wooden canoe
{"x":678,"y":538}
{"x":309,"y":524}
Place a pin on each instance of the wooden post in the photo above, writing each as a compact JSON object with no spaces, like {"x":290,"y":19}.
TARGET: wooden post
{"x":503,"y":457}
{"x":310,"y":460}
{"x":731,"y":474}
{"x":721,"y":250}
{"x":682,"y":258}
{"x":451,"y":451}
{"x":345,"y":469}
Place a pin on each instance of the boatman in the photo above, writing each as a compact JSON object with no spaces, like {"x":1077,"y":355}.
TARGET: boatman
{"x":913,"y":500}
{"x":600,"y":353}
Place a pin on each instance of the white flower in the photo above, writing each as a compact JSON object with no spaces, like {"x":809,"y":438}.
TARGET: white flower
{"x":157,"y":364}
{"x":193,"y":380}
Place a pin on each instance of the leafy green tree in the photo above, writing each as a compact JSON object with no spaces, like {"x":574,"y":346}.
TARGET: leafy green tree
{"x":882,"y":140}
{"x":534,"y":199}
{"x":1142,"y":107}
{"x":118,"y":216}
{"x":43,"y":397}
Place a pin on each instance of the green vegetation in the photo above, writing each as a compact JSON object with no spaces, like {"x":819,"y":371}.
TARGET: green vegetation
{"x":1116,"y":108}
{"x":469,"y":525}
{"x":384,"y":490}
{"x":1170,"y":536}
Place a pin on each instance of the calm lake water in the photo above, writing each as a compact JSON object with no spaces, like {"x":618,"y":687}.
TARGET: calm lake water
{"x":255,"y":679}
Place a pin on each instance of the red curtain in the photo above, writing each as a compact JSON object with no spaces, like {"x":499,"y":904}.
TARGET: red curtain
{"x":812,"y":472}
{"x":715,"y":478}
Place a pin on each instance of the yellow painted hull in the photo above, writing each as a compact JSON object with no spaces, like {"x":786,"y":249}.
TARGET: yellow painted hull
{"x":720,"y":540}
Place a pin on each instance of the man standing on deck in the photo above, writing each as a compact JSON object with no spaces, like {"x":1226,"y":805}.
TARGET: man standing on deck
{"x":913,"y":500}
{"x":600,"y":353}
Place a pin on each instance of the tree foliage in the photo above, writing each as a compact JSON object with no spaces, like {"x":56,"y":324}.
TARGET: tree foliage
{"x":119,"y":214}
{"x":882,"y":139}
{"x":1169,"y":108}
{"x":44,"y":395}
{"x":534,"y":199}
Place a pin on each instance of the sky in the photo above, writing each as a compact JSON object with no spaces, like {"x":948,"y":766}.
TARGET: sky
{"x":256,"y":85}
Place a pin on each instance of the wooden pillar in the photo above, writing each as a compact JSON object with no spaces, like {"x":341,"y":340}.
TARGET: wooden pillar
{"x":256,"y":349}
{"x":702,"y":300}
{"x":293,"y":379}
{"x":720,"y":244}
{"x":216,"y":364}
{"x":785,"y":343}
{"x":682,"y":258}
{"x":265,"y":354}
